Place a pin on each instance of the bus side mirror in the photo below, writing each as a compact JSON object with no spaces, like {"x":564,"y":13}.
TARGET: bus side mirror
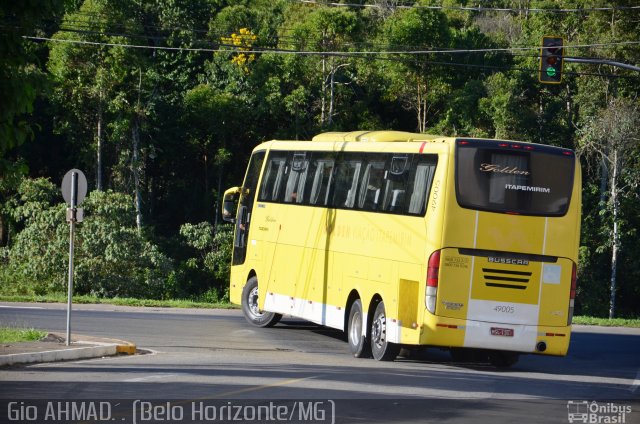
{"x":230,"y":204}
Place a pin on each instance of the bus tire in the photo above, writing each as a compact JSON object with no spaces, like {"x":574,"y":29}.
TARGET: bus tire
{"x":381,"y":347}
{"x":250,"y":306}
{"x":358,"y":343}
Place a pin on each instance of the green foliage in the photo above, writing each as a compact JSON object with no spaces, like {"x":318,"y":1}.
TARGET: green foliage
{"x":114,"y":259}
{"x":35,"y":262}
{"x":111,"y":258}
{"x":211,"y":260}
{"x":20,"y":78}
{"x":610,"y":139}
{"x":465,"y":115}
{"x":606,"y":322}
{"x":419,"y":27}
{"x":219,"y":259}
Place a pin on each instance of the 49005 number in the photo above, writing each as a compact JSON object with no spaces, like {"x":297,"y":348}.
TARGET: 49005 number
{"x":505,"y":309}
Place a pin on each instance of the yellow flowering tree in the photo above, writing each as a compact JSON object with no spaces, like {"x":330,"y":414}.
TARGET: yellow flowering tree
{"x":242,"y":42}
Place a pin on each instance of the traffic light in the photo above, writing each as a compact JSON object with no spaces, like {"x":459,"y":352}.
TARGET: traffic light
{"x":551,"y":60}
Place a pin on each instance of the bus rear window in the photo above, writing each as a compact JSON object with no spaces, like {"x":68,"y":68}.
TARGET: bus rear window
{"x":510,"y":177}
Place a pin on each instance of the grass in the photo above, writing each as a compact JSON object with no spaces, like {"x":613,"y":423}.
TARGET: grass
{"x":121,"y":301}
{"x":607,"y":322}
{"x":15,"y":335}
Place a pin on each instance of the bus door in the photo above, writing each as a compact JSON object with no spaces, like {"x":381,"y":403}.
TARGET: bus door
{"x":245,"y":207}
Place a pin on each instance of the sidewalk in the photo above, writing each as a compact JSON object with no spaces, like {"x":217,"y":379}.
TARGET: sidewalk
{"x":53,"y":348}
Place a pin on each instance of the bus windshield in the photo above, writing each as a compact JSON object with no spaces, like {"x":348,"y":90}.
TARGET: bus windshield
{"x":511,"y":177}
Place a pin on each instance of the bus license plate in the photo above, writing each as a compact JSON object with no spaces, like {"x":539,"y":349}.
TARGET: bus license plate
{"x":505,"y":332}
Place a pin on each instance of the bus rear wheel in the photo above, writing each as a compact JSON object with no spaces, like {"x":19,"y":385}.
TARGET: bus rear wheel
{"x":358,"y":343}
{"x":381,"y":347}
{"x":250,"y":309}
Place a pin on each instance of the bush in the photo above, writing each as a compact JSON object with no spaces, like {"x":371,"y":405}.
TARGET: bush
{"x":112,"y":259}
{"x":36,"y":262}
{"x":212,"y":251}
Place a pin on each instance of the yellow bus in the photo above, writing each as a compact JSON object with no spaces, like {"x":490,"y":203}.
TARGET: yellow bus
{"x":402,"y":239}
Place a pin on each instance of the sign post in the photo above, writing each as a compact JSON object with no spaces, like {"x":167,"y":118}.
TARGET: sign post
{"x":74,"y":190}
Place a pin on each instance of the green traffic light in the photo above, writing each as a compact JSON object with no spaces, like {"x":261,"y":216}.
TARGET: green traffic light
{"x":551,"y":59}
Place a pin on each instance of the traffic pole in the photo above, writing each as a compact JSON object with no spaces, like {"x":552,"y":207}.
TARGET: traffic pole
{"x":72,"y":224}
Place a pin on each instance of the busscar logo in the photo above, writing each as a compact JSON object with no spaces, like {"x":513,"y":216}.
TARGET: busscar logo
{"x":508,"y":261}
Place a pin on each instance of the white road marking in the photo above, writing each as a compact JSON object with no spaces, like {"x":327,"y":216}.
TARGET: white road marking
{"x":21,"y":307}
{"x":149,"y":378}
{"x":636,"y":383}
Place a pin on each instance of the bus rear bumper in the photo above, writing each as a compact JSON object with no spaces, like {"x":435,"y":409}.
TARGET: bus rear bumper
{"x":451,"y":332}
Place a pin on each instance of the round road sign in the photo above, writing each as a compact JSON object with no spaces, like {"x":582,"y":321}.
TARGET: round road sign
{"x":82,"y":186}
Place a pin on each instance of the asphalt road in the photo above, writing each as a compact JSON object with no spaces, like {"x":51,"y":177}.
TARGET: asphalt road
{"x":215,"y":357}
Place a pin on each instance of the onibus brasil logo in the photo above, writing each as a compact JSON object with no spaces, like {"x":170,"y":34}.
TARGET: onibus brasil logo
{"x":597,"y":413}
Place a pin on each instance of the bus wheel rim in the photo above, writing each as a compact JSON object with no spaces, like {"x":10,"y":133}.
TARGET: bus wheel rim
{"x":253,"y":302}
{"x":378,"y":330}
{"x":356,"y":328}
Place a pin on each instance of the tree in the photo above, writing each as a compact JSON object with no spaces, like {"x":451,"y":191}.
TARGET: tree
{"x":414,"y":82}
{"x":508,"y":105}
{"x":612,"y":137}
{"x":20,"y":77}
{"x":327,"y":30}
{"x":214,"y":118}
{"x":87,"y":78}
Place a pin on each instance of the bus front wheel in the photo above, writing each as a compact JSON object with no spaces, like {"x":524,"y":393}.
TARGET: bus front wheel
{"x":250,"y":309}
{"x":358,"y":344}
{"x":381,"y":347}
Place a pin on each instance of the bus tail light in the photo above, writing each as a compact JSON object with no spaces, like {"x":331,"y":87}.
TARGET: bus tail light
{"x":572,"y":293}
{"x":433,"y":272}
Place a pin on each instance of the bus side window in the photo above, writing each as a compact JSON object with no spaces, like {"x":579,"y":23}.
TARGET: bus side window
{"x":395,"y":188}
{"x":421,"y":186}
{"x":369,"y":197}
{"x":294,"y":191}
{"x":273,"y":179}
{"x":321,"y":179}
{"x":347,"y":177}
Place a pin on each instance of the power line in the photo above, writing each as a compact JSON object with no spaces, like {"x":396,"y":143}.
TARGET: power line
{"x":282,"y":39}
{"x":326,"y":53}
{"x":380,"y":55}
{"x":405,"y":49}
{"x":472,"y":8}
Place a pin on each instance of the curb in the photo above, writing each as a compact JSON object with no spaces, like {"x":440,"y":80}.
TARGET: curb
{"x":129,"y":349}
{"x":92,"y":349}
{"x":59,"y":355}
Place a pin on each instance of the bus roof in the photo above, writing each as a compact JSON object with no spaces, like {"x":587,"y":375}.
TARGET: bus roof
{"x":374,"y":136}
{"x":369,"y":138}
